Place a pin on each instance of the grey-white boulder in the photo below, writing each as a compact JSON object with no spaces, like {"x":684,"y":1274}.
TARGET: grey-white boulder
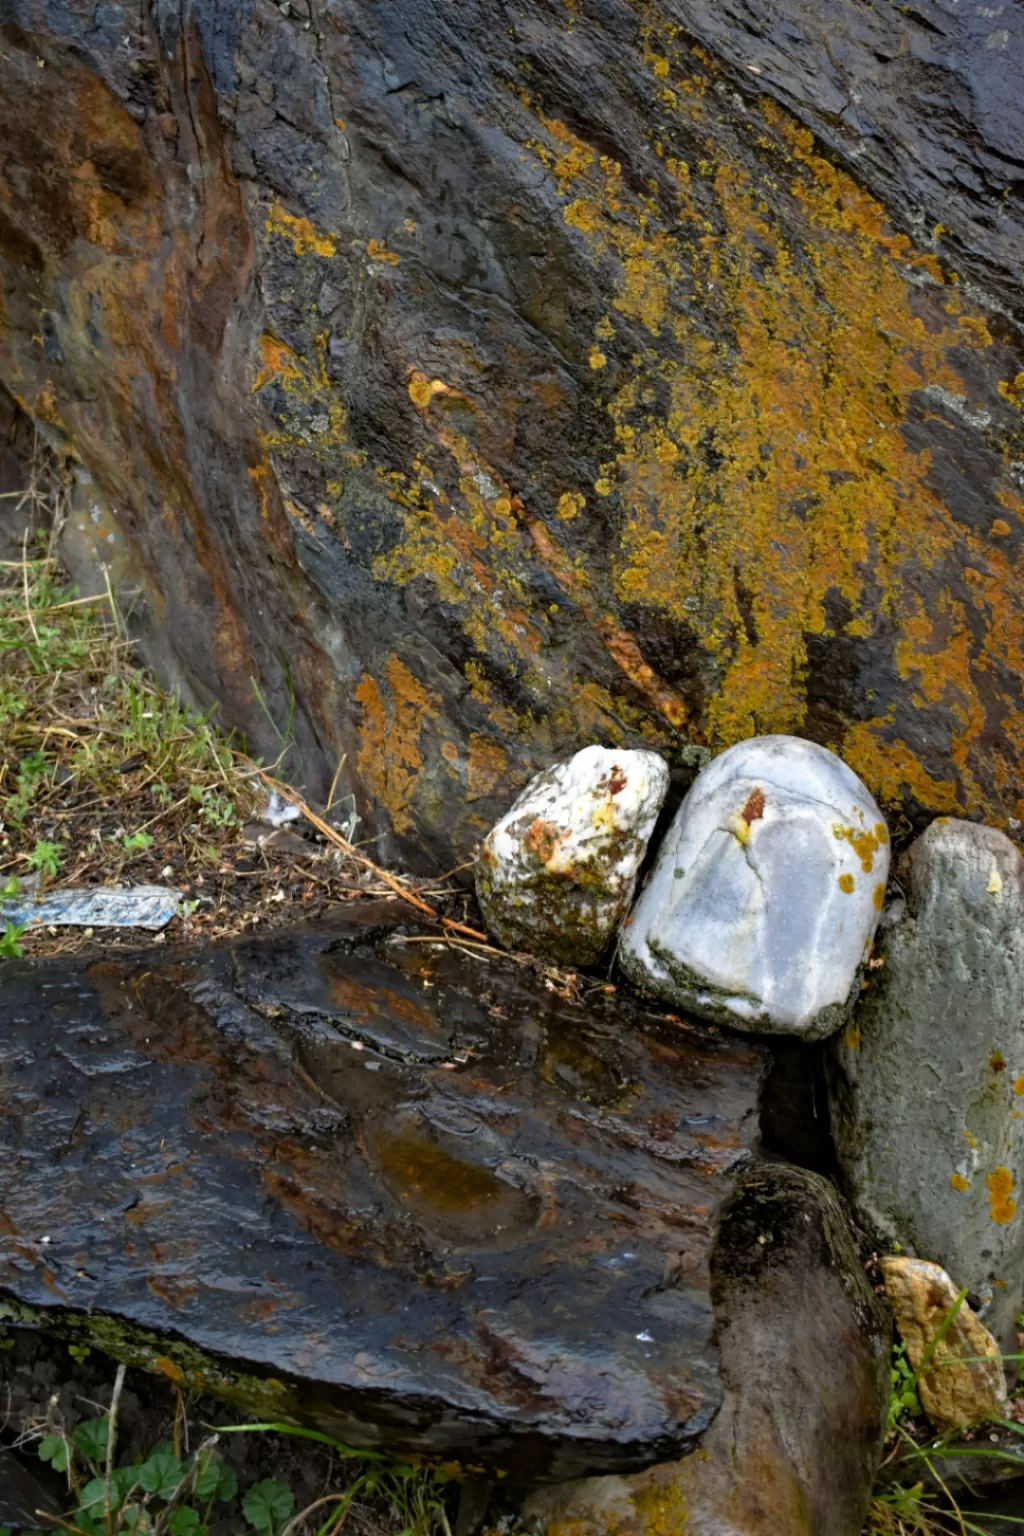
{"x":928,"y":1089}
{"x":766,"y":892}
{"x":556,"y":874}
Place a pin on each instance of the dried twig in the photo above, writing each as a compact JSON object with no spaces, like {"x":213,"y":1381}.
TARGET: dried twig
{"x":326,"y":830}
{"x":115,"y":1402}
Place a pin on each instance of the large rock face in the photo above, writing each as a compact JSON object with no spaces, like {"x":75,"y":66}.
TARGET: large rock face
{"x":379,"y":1187}
{"x":482,"y":381}
{"x":928,"y":1086}
{"x":805,"y":1358}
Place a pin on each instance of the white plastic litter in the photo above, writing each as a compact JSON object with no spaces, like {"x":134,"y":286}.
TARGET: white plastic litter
{"x":139,"y":906}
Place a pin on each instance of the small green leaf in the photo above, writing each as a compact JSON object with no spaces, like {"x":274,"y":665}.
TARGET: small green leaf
{"x":267,"y":1504}
{"x":45,"y":857}
{"x":214,"y":1479}
{"x":54,"y":1449}
{"x":228,"y":1486}
{"x":91,"y":1439}
{"x":185,"y":1522}
{"x":161,"y":1474}
{"x":137,"y":842}
{"x":93,"y":1497}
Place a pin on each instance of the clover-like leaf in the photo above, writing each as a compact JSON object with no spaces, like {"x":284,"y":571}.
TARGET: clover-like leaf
{"x":267,"y":1505}
{"x":91,"y":1438}
{"x":161,"y":1474}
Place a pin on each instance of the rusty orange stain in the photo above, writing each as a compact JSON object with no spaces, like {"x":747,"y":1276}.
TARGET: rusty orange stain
{"x":754,"y":808}
{"x":389,"y":756}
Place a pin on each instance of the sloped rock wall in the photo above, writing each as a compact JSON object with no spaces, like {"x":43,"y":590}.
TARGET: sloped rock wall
{"x":470,"y":383}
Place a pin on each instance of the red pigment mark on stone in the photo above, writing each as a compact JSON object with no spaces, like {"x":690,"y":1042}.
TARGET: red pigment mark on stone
{"x":618,"y":781}
{"x":754,"y":808}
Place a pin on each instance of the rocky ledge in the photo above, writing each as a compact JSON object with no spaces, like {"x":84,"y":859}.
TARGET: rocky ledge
{"x":370,"y":1182}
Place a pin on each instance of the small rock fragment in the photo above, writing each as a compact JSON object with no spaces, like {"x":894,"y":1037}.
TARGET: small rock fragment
{"x":557,"y":873}
{"x":964,"y":1381}
{"x":928,"y":1080}
{"x":766,"y":893}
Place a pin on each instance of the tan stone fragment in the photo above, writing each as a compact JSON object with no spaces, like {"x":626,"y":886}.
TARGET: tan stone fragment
{"x":953,"y":1393}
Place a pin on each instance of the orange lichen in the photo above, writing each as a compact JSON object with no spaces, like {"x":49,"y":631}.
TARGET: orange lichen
{"x":279,"y":362}
{"x":878,"y":897}
{"x":377,"y":250}
{"x":846,"y":883}
{"x":304,"y":237}
{"x":1018,"y":1085}
{"x":389,"y":757}
{"x":1002,"y":1207}
{"x":959,"y":1182}
{"x":486,"y":766}
{"x":864,"y":844}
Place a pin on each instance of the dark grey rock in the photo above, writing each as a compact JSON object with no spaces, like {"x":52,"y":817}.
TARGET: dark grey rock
{"x":928,"y":1086}
{"x":383,"y":1187}
{"x":805,"y":1360}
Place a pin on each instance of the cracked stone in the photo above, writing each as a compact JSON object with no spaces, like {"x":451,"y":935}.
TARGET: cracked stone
{"x":766,"y":893}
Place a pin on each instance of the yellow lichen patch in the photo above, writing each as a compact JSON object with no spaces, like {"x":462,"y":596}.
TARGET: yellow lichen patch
{"x":852,"y":1037}
{"x":959,"y":1182}
{"x":760,"y":469}
{"x":279,"y":362}
{"x":389,"y":757}
{"x":878,"y":897}
{"x":1002,"y":1207}
{"x":570,"y":506}
{"x":486,"y":766}
{"x":377,"y":250}
{"x":303,"y":236}
{"x":1000,"y":528}
{"x":1018,"y":1085}
{"x":846,"y":883}
{"x":422,"y":390}
{"x":597,"y":358}
{"x":995,"y":884}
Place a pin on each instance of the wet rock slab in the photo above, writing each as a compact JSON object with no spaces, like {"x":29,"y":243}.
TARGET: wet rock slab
{"x":399,"y":1191}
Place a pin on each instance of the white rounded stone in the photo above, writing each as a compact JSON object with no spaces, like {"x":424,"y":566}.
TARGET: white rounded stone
{"x":557,"y":873}
{"x":766,"y":892}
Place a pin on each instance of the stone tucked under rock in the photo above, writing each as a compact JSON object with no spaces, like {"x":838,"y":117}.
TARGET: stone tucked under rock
{"x":400,"y":1193}
{"x":953,"y":1395}
{"x":928,"y":1087}
{"x":557,"y":873}
{"x":805,"y":1354}
{"x":766,"y":891}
